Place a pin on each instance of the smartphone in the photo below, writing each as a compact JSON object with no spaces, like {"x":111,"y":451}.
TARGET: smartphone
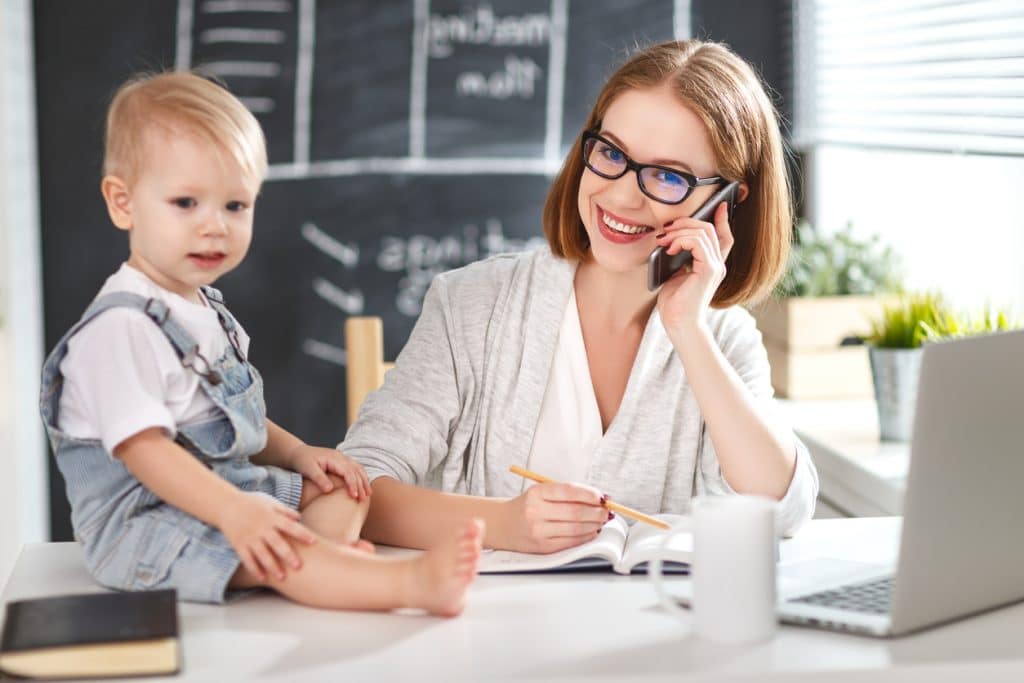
{"x":661,"y":266}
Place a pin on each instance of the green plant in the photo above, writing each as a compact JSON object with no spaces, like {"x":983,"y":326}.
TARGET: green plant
{"x":905,"y":324}
{"x":953,"y":324}
{"x":919,"y":318}
{"x":832,"y":265}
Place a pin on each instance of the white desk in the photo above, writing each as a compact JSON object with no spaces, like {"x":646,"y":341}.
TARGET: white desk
{"x":859,"y":474}
{"x":579,"y":627}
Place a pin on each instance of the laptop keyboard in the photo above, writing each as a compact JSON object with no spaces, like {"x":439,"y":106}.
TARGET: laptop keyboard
{"x":872,"y":597}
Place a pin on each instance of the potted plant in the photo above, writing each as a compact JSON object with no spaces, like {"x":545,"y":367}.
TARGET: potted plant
{"x":812,"y":323}
{"x":894,"y":350}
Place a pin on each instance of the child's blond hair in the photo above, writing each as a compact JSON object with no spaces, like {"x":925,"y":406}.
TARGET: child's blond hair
{"x":182,"y":99}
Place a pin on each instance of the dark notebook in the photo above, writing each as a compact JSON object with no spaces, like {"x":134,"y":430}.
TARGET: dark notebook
{"x":98,"y":634}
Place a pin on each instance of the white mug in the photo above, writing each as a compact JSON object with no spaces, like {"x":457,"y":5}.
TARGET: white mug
{"x":733,"y":569}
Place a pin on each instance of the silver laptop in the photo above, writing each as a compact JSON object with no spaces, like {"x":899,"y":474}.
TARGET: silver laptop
{"x":961,"y":548}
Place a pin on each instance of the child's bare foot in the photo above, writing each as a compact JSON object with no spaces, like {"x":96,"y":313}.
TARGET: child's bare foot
{"x":442,"y":574}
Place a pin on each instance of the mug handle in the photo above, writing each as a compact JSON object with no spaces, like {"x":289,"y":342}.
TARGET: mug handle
{"x":668,"y":603}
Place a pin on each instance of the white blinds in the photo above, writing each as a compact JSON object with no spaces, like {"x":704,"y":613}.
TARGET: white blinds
{"x":944,"y":75}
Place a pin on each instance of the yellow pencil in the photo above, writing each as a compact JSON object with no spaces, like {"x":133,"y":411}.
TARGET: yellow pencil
{"x":616,"y":507}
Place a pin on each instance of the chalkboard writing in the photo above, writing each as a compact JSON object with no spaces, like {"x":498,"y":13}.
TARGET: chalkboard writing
{"x":406,"y":137}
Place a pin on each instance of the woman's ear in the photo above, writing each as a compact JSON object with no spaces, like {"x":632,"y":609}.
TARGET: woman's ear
{"x":118,"y":197}
{"x":742,"y":193}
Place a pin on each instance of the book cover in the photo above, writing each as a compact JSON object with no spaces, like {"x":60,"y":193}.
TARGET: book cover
{"x":89,"y":635}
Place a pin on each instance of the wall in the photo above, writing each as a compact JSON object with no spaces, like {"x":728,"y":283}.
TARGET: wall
{"x":23,"y":509}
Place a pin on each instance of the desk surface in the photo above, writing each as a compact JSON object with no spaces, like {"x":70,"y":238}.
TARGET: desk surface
{"x":542,"y":627}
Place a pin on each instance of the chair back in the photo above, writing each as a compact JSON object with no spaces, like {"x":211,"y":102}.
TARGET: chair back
{"x":364,"y":366}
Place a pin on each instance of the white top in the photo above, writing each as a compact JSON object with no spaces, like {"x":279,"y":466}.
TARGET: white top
{"x":121,"y":374}
{"x":569,"y":425}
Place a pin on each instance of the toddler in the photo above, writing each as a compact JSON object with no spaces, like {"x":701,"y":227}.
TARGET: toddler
{"x":175,"y":475}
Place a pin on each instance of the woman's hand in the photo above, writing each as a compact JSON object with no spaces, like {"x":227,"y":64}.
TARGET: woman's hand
{"x":555,"y":516}
{"x":316,"y":463}
{"x":684,"y":299}
{"x":258,"y":528}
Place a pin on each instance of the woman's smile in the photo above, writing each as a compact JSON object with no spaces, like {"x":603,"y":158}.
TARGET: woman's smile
{"x":617,"y":229}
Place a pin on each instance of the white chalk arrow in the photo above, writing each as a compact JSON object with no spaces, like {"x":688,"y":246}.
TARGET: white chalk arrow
{"x":349,"y":302}
{"x":345,"y":254}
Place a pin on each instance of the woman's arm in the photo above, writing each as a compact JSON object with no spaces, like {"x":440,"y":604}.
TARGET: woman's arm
{"x":754,"y":456}
{"x":414,"y":517}
{"x":544,"y":519}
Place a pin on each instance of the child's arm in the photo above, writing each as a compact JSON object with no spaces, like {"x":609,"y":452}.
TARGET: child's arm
{"x":257,"y":527}
{"x":286,"y":450}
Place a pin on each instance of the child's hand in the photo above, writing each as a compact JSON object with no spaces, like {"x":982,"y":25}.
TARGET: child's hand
{"x":258,"y":528}
{"x":315,"y":463}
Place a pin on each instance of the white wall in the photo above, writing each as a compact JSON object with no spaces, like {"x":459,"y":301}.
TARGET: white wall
{"x":23,"y":507}
{"x":957,"y":221}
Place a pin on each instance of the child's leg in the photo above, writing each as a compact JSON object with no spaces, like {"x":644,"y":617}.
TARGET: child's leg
{"x":340,"y":577}
{"x":335,"y":515}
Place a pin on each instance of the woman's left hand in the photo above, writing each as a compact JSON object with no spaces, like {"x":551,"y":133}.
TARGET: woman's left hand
{"x":685,"y":297}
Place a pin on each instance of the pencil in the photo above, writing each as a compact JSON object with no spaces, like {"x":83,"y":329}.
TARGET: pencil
{"x":616,"y":507}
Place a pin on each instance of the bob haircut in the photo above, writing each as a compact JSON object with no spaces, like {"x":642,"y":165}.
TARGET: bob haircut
{"x":728,"y":97}
{"x":180,"y":100}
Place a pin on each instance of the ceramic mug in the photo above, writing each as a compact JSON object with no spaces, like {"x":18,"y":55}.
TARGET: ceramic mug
{"x":735,"y":547}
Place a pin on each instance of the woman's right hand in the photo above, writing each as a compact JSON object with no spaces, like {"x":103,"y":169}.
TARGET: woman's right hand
{"x":258,"y":528}
{"x":555,"y":516}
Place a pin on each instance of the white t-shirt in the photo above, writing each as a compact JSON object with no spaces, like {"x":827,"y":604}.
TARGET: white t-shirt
{"x":569,"y":427}
{"x":121,"y":374}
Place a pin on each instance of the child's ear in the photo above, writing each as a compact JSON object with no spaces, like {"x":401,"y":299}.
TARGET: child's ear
{"x":118,"y":197}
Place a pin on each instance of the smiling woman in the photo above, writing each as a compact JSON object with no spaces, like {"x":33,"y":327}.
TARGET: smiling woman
{"x":563,"y":362}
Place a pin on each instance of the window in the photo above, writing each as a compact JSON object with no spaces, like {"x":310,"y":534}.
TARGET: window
{"x":909,"y":115}
{"x":942,"y":75}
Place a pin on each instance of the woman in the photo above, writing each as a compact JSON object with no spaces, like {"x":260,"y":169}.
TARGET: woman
{"x":562,"y":361}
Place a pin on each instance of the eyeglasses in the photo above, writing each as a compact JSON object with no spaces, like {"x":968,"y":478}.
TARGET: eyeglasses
{"x":660,"y":183}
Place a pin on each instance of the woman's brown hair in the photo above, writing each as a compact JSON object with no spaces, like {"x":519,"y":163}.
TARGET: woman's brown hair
{"x":743,"y":127}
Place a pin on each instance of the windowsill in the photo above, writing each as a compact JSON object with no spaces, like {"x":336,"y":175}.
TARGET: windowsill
{"x":859,"y":474}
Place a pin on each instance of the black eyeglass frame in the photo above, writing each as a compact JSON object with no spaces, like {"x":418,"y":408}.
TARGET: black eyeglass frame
{"x":631,"y":165}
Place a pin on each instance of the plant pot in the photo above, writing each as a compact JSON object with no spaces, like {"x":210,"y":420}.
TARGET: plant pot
{"x":895,"y":373}
{"x":804,"y":340}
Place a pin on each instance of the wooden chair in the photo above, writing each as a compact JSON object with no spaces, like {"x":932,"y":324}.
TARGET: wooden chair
{"x":365,"y":366}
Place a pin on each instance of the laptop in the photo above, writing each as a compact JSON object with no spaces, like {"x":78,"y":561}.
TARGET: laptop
{"x":961,"y":548}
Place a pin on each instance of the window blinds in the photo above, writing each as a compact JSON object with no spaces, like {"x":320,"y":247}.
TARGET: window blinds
{"x":943,"y":75}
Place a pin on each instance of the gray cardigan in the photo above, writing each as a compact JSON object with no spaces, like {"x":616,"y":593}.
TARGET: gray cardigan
{"x":463,"y":400}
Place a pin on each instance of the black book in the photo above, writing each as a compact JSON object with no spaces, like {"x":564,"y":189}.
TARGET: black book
{"x":97,"y":634}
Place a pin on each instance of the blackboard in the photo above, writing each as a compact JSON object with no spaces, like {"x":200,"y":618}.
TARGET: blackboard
{"x":406,"y":137}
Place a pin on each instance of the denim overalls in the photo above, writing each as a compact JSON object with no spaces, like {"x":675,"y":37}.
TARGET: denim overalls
{"x":131,"y":539}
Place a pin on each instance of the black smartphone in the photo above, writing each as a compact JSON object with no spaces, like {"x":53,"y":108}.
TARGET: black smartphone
{"x":661,"y":266}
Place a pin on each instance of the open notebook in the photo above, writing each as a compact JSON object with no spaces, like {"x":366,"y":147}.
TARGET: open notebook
{"x":619,"y":546}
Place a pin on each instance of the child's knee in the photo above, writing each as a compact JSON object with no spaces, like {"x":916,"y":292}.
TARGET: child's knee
{"x":311,"y":490}
{"x":336,"y":515}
